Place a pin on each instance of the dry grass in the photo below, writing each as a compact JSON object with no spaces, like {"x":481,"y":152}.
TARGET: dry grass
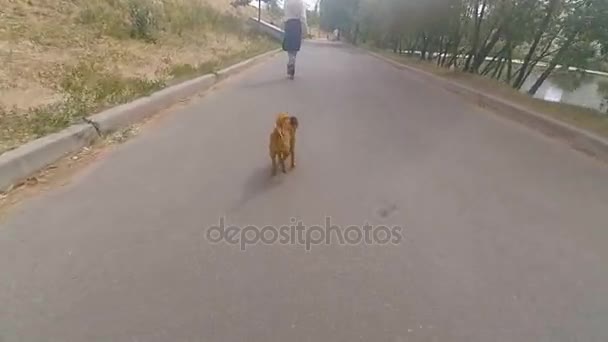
{"x":588,"y":119}
{"x":110,"y":51}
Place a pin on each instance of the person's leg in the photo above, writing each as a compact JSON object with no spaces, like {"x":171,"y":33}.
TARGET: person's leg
{"x":291,"y":64}
{"x":289,"y":58}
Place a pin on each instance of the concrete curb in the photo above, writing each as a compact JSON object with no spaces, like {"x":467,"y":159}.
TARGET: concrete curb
{"x":142,"y":108}
{"x":579,"y":139}
{"x":18,"y":164}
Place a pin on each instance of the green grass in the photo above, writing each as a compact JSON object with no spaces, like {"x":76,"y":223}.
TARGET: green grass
{"x":585,"y":118}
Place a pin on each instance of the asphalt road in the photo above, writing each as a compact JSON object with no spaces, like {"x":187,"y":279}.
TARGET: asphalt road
{"x":504,"y":231}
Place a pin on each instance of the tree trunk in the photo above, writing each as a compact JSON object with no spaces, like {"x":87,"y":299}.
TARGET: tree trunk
{"x":498,"y":68}
{"x":454,"y":60}
{"x":445,"y":54}
{"x":509,"y":60}
{"x":425,"y":44}
{"x":530,"y":69}
{"x":492,"y":66}
{"x":500,"y":56}
{"x":519,"y":80}
{"x":455,"y":51}
{"x":478,"y":20}
{"x":439,"y":51}
{"x":533,"y":64}
{"x":480,"y":57}
{"x":453,"y":45}
{"x":468,"y":62}
{"x":500,"y":71}
{"x":539,"y":82}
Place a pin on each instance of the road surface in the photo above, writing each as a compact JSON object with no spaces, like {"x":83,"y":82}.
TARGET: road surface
{"x":504,"y":231}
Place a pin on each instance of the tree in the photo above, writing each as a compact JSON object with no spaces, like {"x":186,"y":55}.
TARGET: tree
{"x":582,"y":23}
{"x":344,"y":15}
{"x":481,"y":36}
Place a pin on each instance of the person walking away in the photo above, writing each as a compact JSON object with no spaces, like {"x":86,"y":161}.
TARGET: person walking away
{"x":295,"y":28}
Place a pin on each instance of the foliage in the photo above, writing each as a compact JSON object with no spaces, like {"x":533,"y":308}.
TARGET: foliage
{"x":143,"y":20}
{"x":465,"y":34}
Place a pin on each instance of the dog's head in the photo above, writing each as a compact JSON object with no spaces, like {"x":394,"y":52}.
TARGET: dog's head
{"x":283,"y":129}
{"x":284,"y":121}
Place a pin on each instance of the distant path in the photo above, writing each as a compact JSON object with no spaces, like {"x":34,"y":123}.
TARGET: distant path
{"x":505,"y":230}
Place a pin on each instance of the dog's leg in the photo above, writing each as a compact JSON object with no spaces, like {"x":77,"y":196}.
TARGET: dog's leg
{"x":274,"y":164}
{"x":293,"y":153}
{"x":282,"y":161}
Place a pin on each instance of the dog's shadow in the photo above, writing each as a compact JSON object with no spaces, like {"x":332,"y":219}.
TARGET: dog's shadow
{"x":259,"y":181}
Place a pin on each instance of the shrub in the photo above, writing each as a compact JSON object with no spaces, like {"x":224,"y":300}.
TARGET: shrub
{"x":143,"y":20}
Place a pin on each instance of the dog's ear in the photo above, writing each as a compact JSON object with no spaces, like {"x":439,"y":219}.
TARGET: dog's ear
{"x":293,"y":121}
{"x":281,"y":119}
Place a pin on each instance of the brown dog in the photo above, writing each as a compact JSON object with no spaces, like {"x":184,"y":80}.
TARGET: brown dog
{"x":283,"y":142}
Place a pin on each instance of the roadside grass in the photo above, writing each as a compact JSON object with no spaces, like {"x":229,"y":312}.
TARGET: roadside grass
{"x":86,"y":88}
{"x":66,"y":59}
{"x":180,"y":72}
{"x":585,"y":118}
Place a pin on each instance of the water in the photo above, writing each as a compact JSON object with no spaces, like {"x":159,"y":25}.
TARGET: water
{"x":585,"y":90}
